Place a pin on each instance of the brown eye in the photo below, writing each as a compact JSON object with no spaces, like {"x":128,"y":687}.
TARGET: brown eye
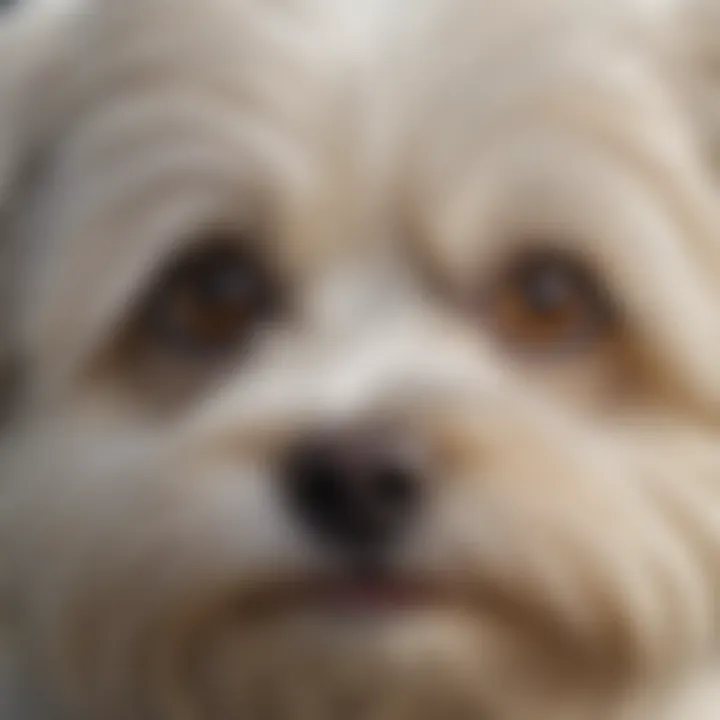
{"x":211,"y":301}
{"x":548,"y":302}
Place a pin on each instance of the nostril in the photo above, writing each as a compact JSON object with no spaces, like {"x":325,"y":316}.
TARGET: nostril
{"x":314,"y":477}
{"x":322,"y":492}
{"x":395,"y":487}
{"x":353,"y":490}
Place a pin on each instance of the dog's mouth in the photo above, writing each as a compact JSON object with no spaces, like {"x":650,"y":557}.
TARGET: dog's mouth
{"x":373,"y":635}
{"x":375,"y":594}
{"x":368,"y":638}
{"x":351,"y":594}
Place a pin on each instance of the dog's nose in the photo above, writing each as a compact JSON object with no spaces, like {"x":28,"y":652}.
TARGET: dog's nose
{"x":359,"y":491}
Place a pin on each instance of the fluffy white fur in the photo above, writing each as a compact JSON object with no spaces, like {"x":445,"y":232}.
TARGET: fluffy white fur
{"x":579,"y":539}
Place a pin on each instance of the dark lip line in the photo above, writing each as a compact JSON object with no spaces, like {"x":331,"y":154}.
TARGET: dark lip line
{"x":345,"y":591}
{"x":345,"y":595}
{"x":395,"y":593}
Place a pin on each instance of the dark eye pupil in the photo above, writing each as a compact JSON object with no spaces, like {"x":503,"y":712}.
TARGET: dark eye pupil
{"x":224,"y":286}
{"x":549,"y":289}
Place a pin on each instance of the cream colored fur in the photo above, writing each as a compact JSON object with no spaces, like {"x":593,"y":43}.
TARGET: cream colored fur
{"x":583,"y":543}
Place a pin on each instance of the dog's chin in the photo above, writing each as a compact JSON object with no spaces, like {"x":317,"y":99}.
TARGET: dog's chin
{"x":330,"y":650}
{"x":364,"y":663}
{"x":350,"y":651}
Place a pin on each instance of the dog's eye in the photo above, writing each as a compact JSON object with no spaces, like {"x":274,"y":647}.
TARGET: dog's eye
{"x":210,"y":301}
{"x":548,"y":302}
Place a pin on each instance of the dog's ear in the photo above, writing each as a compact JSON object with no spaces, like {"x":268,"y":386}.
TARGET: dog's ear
{"x":34,"y":38}
{"x":34,"y":43}
{"x":695,"y":29}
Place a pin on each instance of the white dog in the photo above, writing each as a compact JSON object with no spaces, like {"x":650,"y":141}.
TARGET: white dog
{"x":360,"y":359}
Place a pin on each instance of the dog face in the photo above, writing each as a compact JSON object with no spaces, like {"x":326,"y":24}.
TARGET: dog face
{"x":368,"y":360}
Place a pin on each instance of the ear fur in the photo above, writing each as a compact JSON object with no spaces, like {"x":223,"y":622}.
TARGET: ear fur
{"x":697,"y":28}
{"x":33,"y":46}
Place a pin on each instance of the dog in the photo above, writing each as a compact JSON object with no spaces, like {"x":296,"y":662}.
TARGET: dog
{"x":359,"y":360}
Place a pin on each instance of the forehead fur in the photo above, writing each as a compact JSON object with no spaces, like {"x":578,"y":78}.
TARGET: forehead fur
{"x":48,"y":42}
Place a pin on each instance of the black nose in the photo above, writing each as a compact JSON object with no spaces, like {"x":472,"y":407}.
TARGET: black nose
{"x":358,"y":491}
